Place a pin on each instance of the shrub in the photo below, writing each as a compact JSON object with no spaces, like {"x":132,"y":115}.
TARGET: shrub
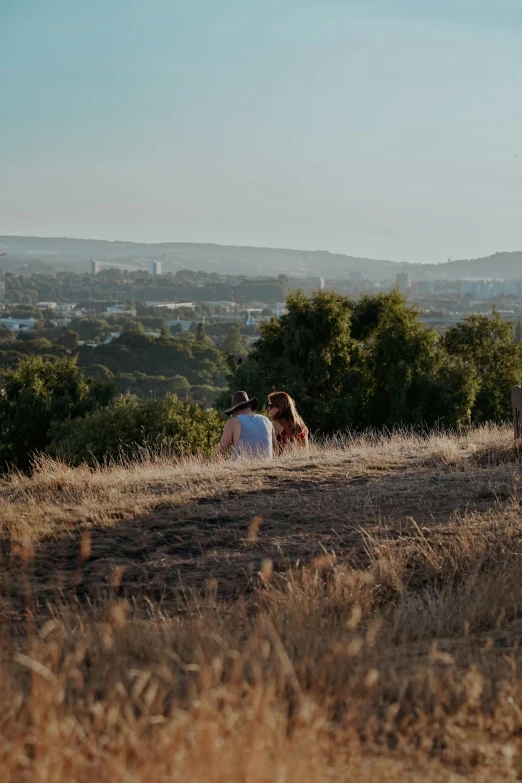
{"x":130,"y":423}
{"x":38,"y":394}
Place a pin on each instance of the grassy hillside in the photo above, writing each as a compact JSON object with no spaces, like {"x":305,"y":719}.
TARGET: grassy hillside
{"x":354,"y":614}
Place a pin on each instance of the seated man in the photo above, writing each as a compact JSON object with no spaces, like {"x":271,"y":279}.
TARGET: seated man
{"x":247,"y":433}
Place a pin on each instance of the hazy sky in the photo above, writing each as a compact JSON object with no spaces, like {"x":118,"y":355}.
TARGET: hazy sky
{"x":381,"y":128}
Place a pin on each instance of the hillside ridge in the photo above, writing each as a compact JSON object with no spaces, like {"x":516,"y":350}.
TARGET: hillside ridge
{"x":233,"y":259}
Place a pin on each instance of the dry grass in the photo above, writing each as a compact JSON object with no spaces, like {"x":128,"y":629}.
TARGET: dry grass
{"x":350,"y":614}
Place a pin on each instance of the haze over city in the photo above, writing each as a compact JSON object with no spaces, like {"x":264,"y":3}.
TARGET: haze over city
{"x":375,"y":129}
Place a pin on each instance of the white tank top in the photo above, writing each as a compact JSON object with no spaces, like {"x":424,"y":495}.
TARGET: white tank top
{"x":255,"y":439}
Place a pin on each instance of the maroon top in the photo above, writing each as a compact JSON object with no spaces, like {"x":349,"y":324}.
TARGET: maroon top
{"x":286,"y":437}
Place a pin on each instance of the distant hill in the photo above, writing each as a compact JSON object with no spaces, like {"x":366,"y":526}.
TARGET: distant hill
{"x":499,"y":265}
{"x":75,"y":254}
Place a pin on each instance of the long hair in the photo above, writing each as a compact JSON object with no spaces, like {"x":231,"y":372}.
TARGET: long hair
{"x":286,"y":411}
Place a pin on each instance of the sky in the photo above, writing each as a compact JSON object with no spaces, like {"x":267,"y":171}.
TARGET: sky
{"x":378,"y":128}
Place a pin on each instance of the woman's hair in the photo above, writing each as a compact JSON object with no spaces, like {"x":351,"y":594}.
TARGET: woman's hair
{"x":286,"y":411}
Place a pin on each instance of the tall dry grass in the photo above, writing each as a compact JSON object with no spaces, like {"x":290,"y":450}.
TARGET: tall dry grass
{"x":348,"y":614}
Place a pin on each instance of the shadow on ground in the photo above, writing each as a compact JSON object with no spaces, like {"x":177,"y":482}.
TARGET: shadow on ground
{"x":175,"y":552}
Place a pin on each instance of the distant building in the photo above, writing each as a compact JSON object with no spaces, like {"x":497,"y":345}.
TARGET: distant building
{"x":497,"y":287}
{"x":46,"y":305}
{"x":119,"y":309}
{"x":172,"y":305}
{"x":481,"y":289}
{"x":403,"y":281}
{"x":225,"y":304}
{"x":468,"y":288}
{"x":18,"y":324}
{"x":316,"y":283}
{"x":112,"y":336}
{"x":426,"y":286}
{"x":513,"y":288}
{"x":154,"y":268}
{"x":95,"y":267}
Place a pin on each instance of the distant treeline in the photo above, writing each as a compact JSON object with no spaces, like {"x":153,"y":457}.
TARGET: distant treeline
{"x":137,"y":286}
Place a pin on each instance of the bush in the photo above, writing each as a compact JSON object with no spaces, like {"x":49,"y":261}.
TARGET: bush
{"x":130,"y":423}
{"x":37,"y":395}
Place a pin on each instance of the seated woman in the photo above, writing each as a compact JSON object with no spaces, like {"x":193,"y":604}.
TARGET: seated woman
{"x":288,"y":425}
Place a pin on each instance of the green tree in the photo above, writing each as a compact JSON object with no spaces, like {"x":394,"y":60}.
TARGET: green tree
{"x":405,"y":374}
{"x":486,"y":346}
{"x":307,"y":353}
{"x":364,"y":364}
{"x":233,"y":344}
{"x":69,"y":339}
{"x":164,"y":332}
{"x":99,"y":373}
{"x":180,"y":386}
{"x":90,"y":329}
{"x":201,"y":335}
{"x":37,"y":394}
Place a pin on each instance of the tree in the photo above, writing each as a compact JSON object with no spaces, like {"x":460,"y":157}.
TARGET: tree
{"x":233,"y":344}
{"x":6,"y":333}
{"x":201,"y":336}
{"x":99,"y":373}
{"x":486,"y":346}
{"x":90,"y":329}
{"x":364,"y":364}
{"x":164,"y":332}
{"x":69,"y":339}
{"x":307,"y":353}
{"x":404,"y":372}
{"x":180,"y":386}
{"x":36,"y":395}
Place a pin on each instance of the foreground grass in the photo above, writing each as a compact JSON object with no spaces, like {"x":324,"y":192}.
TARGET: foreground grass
{"x":352,"y":614}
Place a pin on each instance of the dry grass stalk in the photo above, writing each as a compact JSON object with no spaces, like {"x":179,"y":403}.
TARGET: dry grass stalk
{"x":351,"y":614}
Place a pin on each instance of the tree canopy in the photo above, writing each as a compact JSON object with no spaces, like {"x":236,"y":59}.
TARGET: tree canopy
{"x":372,"y":363}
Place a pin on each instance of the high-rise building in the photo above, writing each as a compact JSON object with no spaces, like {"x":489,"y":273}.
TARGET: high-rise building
{"x":154,"y":268}
{"x":95,"y":267}
{"x":514,"y":288}
{"x":403,"y":280}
